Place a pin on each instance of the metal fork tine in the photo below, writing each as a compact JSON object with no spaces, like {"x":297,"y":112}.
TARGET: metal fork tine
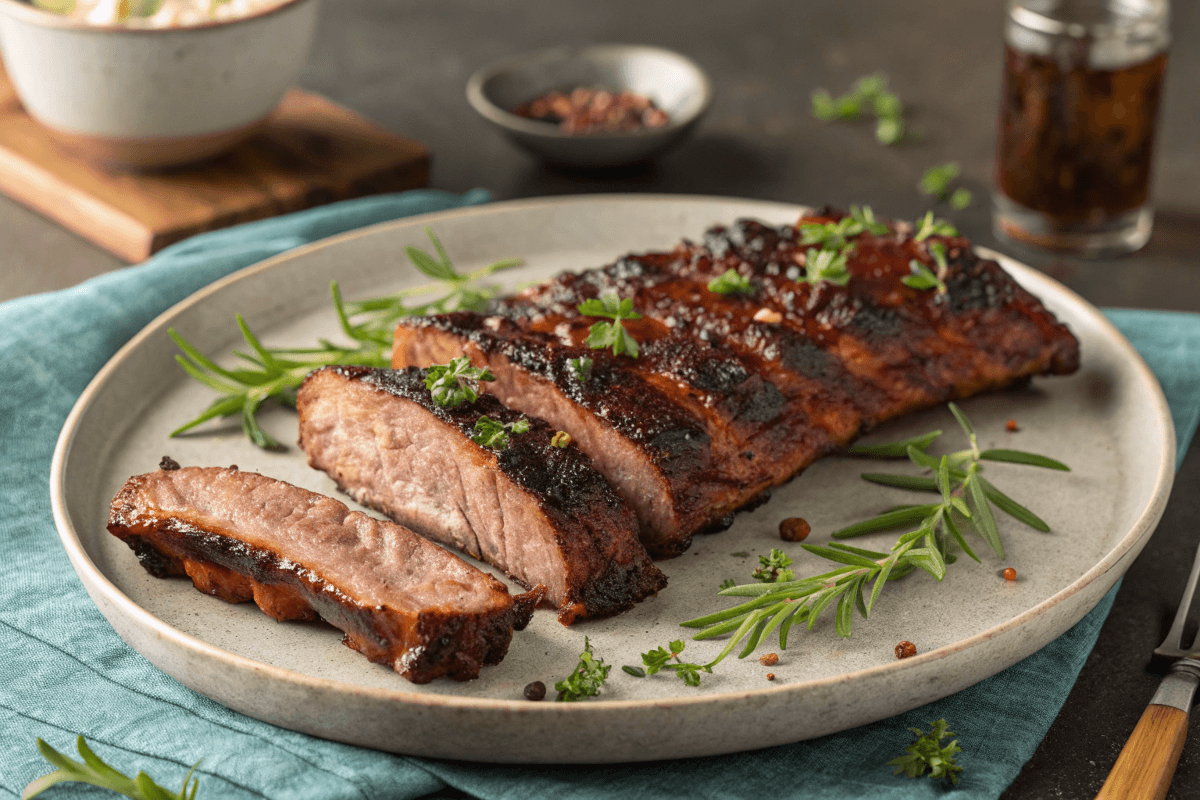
{"x":1173,"y":644}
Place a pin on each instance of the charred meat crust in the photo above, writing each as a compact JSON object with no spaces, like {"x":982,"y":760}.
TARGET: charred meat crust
{"x":421,"y":640}
{"x":597,"y":568}
{"x":770,"y":380}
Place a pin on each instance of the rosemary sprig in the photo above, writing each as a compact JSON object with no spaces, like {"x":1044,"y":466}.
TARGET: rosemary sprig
{"x":94,"y":771}
{"x":276,"y":373}
{"x":965,"y":504}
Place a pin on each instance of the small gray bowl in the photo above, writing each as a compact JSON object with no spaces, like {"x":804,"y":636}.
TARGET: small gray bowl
{"x":675,"y":84}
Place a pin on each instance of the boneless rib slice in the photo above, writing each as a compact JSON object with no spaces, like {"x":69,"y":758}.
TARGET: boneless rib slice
{"x":399,"y":599}
{"x":540,"y":513}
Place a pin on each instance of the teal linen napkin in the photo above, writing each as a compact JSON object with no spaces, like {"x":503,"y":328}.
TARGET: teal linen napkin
{"x":64,"y":671}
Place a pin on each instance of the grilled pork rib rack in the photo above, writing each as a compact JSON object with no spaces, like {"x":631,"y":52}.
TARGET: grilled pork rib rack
{"x":399,"y":599}
{"x":734,"y":394}
{"x":538,"y":512}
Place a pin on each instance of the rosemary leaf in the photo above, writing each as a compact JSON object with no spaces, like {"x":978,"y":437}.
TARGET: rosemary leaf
{"x":1021,"y":457}
{"x":895,"y":449}
{"x":886,"y":521}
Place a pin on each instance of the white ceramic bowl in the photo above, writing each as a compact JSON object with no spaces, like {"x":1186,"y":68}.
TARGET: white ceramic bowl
{"x":675,"y":83}
{"x":153,"y":97}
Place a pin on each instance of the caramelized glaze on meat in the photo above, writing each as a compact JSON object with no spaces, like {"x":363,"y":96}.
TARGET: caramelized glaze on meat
{"x":400,"y":600}
{"x":540,"y":513}
{"x":734,"y":394}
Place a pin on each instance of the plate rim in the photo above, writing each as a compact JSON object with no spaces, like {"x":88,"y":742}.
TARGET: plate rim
{"x":1142,"y":528}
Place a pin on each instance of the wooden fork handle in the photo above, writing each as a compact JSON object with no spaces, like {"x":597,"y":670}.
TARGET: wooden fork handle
{"x":1144,"y":769}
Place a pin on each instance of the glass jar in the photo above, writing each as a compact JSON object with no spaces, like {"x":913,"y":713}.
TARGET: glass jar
{"x":1082,"y":83}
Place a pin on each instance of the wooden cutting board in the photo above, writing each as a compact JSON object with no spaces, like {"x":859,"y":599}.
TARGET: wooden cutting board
{"x":310,"y":152}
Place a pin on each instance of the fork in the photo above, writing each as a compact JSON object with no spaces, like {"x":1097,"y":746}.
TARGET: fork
{"x":1147,"y":762}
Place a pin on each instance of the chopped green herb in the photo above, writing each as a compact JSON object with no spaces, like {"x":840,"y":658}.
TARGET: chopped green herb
{"x":728,"y":583}
{"x":865,"y":217}
{"x":826,"y":265}
{"x":453,"y":384}
{"x":927,"y":227}
{"x":868,"y":93}
{"x":773,"y":568}
{"x":581,"y":369}
{"x":936,"y":180}
{"x":927,"y":754}
{"x":493,"y":434}
{"x":925,"y":278}
{"x":960,"y":199}
{"x":560,"y":439}
{"x":729,"y":283}
{"x":660,"y":658}
{"x":611,"y":334}
{"x":95,"y":772}
{"x":741,"y":554}
{"x":586,"y":679}
{"x":890,"y":130}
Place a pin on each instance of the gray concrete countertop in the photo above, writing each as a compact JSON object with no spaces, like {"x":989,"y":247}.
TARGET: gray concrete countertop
{"x":404,"y":64}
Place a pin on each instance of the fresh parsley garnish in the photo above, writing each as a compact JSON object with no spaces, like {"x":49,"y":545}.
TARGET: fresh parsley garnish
{"x":611,"y":334}
{"x":868,"y":93}
{"x":581,"y":369}
{"x":925,"y":278}
{"x":928,"y":226}
{"x":493,"y":434}
{"x":660,"y":658}
{"x":586,"y":679}
{"x":773,"y":568}
{"x":95,"y":772}
{"x":927,"y":754}
{"x":965,"y":502}
{"x":276,"y":373}
{"x":826,"y":265}
{"x":453,"y":384}
{"x":732,"y":281}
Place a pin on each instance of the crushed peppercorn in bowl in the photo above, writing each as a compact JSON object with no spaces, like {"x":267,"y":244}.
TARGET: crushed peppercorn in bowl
{"x":642,"y":100}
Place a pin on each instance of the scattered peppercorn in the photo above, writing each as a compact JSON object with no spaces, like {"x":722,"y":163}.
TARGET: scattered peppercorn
{"x":1011,"y":426}
{"x":535,"y":691}
{"x":769,"y":660}
{"x":906,"y":650}
{"x":794,"y":529}
{"x":168,"y":464}
{"x":1010,"y":574}
{"x":770,"y":676}
{"x":589,"y":110}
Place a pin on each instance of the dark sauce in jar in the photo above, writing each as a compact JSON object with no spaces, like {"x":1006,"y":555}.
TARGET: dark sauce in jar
{"x":1075,"y":141}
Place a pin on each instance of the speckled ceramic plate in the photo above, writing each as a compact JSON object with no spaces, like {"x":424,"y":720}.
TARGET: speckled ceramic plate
{"x":1109,"y":421}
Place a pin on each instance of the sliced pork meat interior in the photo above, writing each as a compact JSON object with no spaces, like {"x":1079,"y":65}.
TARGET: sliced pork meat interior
{"x":735,"y":393}
{"x":399,"y":599}
{"x":539,"y":512}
